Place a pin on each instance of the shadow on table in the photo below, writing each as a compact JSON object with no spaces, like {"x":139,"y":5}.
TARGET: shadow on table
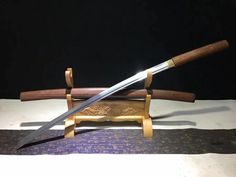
{"x":193,"y":112}
{"x":134,"y":124}
{"x":215,"y":142}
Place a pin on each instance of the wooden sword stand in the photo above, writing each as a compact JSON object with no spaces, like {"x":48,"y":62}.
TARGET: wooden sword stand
{"x":117,"y":110}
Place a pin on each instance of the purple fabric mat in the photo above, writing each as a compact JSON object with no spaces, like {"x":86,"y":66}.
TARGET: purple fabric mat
{"x":177,"y":141}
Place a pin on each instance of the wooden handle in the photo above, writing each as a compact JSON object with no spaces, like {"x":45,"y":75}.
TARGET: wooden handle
{"x":84,"y":93}
{"x":200,"y":52}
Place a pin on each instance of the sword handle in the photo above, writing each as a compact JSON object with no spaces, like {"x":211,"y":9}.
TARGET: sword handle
{"x":200,"y":52}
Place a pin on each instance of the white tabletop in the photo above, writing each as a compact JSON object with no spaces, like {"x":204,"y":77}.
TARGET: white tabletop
{"x":203,"y":114}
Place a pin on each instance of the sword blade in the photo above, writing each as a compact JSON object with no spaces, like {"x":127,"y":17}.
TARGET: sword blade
{"x":176,"y":61}
{"x":115,"y":88}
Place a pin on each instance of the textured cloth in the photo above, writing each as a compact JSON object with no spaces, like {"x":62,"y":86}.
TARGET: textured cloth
{"x":126,"y":141}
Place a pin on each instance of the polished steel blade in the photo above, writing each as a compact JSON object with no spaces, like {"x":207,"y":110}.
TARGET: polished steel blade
{"x":121,"y":85}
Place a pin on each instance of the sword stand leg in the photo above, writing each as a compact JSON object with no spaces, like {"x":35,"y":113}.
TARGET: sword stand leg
{"x":70,"y":122}
{"x":147,"y":121}
{"x":110,"y":110}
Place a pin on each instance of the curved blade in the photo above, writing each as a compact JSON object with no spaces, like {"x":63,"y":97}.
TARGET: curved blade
{"x":121,"y":85}
{"x":176,"y":61}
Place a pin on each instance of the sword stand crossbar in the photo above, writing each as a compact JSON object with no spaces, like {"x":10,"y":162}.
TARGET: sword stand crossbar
{"x":115,"y":110}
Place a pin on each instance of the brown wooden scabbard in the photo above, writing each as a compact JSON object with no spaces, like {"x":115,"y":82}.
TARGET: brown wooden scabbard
{"x":84,"y":93}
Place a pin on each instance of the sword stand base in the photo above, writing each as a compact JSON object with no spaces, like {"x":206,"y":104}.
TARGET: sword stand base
{"x":110,"y":110}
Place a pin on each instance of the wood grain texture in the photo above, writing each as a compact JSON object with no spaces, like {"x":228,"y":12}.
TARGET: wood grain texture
{"x":200,"y":52}
{"x":84,"y":93}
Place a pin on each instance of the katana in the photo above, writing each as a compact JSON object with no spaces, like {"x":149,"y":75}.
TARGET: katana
{"x":175,"y":61}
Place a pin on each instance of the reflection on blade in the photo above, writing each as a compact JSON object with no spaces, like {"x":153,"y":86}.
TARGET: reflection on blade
{"x":121,"y":85}
{"x":176,"y":61}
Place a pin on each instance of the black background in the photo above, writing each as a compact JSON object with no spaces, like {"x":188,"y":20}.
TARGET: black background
{"x":107,"y":41}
